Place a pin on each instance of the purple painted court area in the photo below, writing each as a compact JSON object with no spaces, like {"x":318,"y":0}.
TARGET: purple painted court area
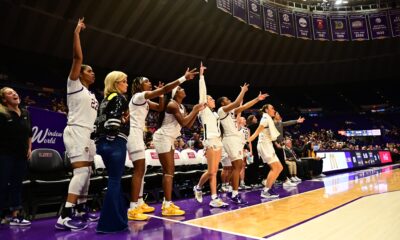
{"x":175,"y":227}
{"x":153,"y":229}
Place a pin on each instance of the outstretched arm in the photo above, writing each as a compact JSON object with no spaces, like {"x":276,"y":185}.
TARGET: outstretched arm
{"x":239,"y":98}
{"x":184,"y":121}
{"x":77,"y":56}
{"x":256,"y":133}
{"x":249,"y":104}
{"x":189,"y":75}
{"x":202,"y":85}
{"x":160,"y":106}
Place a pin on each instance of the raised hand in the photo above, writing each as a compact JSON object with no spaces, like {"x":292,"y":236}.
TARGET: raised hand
{"x":199,"y":107}
{"x":300,"y":120}
{"x":202,"y":68}
{"x":262,"y":96}
{"x":160,"y":85}
{"x":80,"y":26}
{"x":245,"y":87}
{"x":190,"y":74}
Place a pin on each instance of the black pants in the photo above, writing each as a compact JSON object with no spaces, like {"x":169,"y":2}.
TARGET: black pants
{"x":252,"y":175}
{"x":285,"y":172}
{"x":12,"y":172}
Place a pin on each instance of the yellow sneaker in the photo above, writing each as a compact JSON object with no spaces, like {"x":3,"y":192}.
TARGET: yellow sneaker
{"x":172,"y":210}
{"x":137,"y":215}
{"x":171,"y":205}
{"x":146,"y":208}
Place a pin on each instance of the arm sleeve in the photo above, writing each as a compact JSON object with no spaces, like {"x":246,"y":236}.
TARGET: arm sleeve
{"x":202,"y":90}
{"x":289,"y":123}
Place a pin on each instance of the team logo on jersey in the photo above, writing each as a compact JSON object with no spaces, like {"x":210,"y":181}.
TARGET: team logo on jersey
{"x":86,"y":149}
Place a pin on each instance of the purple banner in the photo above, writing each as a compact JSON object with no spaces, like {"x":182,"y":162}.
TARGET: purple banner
{"x":358,"y":27}
{"x":395,"y":22}
{"x":339,"y":28}
{"x":303,"y":25}
{"x":225,"y":5}
{"x":270,"y":19}
{"x":254,"y":13}
{"x":239,"y":9}
{"x":320,"y":27}
{"x":48,"y":128}
{"x":379,"y":25}
{"x":286,"y":26}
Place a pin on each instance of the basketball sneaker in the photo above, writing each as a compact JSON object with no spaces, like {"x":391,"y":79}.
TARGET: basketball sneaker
{"x":171,"y":210}
{"x":269,"y":194}
{"x":19,"y":221}
{"x":72,"y":224}
{"x":198,"y":194}
{"x":238,"y":200}
{"x":136,"y":214}
{"x":146,"y":208}
{"x":218,"y":203}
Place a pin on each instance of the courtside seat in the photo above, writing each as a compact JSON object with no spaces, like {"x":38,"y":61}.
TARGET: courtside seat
{"x":152,"y":161}
{"x":49,"y":182}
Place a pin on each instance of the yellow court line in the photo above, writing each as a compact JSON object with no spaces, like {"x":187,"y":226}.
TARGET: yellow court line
{"x":270,"y":217}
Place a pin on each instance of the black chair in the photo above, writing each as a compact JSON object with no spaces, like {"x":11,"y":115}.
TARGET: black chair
{"x":49,"y":182}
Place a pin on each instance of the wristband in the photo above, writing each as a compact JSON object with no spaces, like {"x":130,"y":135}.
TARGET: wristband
{"x":182,"y":79}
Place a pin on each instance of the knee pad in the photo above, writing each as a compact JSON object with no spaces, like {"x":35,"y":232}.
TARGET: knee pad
{"x":79,"y":180}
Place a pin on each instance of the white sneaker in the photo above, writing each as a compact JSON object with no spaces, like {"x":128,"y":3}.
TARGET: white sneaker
{"x":198,"y":194}
{"x":218,"y":203}
{"x":225,"y":189}
{"x":264,"y":182}
{"x":292,"y":179}
{"x":269,"y":194}
{"x":298,"y":179}
{"x":19,"y":221}
{"x":289,"y":184}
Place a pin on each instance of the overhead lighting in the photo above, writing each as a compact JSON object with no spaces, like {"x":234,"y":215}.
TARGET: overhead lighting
{"x":345,"y":1}
{"x":338,"y":2}
{"x":324,"y":1}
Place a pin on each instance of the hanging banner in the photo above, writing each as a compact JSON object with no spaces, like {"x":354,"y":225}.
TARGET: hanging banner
{"x":254,"y":13}
{"x":358,"y":27}
{"x":320,"y":27}
{"x":339,"y":26}
{"x":239,"y":9}
{"x":286,"y":27}
{"x":379,"y":25}
{"x":394,"y":16}
{"x":270,"y":18}
{"x":225,"y":5}
{"x":303,"y":25}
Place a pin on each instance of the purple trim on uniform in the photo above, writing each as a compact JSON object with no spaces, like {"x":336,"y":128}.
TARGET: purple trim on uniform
{"x":140,"y":104}
{"x":76,"y":91}
{"x":321,"y":214}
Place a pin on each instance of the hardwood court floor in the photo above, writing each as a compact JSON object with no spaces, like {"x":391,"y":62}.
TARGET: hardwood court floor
{"x":267,"y":219}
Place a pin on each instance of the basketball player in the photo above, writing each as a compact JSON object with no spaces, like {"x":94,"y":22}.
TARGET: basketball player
{"x":82,"y":105}
{"x":268,"y":133}
{"x":232,"y":142}
{"x":174,"y":119}
{"x":212,"y":145}
{"x":139,"y":108}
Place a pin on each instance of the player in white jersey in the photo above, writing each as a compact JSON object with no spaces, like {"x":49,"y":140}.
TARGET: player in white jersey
{"x":247,"y":150}
{"x":174,"y":119}
{"x":82,"y":106}
{"x":212,"y":145}
{"x":231,"y":140}
{"x":139,"y":106}
{"x":268,"y":133}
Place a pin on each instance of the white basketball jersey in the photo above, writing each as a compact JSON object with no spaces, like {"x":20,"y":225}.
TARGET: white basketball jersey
{"x":210,"y":122}
{"x":269,"y":133}
{"x":82,"y":105}
{"x":228,"y":122}
{"x":170,"y":126}
{"x":138,"y":110}
{"x":245,"y":134}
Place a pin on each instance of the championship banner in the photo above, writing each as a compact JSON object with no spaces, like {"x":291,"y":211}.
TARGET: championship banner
{"x":379,"y":25}
{"x":339,"y":28}
{"x":48,"y":128}
{"x":239,"y":9}
{"x":254,"y":13}
{"x":270,"y":19}
{"x":358,"y":27}
{"x":286,"y":27}
{"x":320,"y":27}
{"x":394,"y":16}
{"x":225,"y":5}
{"x":303,"y":25}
